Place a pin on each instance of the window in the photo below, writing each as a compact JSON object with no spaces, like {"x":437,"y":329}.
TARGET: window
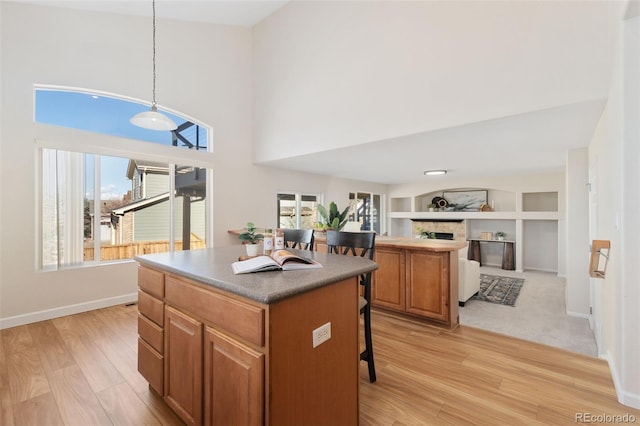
{"x":297,"y":211}
{"x":96,"y":207}
{"x":365,"y":209}
{"x":110,"y":115}
{"x":90,"y":212}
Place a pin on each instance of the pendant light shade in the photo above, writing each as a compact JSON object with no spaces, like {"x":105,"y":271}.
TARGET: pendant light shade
{"x":152,"y":119}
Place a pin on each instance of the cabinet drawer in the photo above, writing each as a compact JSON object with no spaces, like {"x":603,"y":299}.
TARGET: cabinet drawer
{"x":151,"y":333}
{"x":151,"y":307}
{"x":241,"y":319}
{"x":151,"y":281}
{"x":151,"y":366}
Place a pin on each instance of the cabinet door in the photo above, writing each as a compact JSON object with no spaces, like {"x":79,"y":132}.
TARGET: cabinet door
{"x":183,"y":366}
{"x":428,"y":284}
{"x":233,"y":382}
{"x":388,"y":288}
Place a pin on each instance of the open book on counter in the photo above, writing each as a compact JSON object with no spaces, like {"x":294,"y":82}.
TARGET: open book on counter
{"x":280,"y":260}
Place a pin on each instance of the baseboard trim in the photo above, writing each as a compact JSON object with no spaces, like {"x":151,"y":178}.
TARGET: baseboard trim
{"x":578,"y":315}
{"x":625,"y":398}
{"x":66,"y":310}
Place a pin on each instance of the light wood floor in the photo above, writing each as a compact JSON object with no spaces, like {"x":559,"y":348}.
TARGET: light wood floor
{"x":81,"y":370}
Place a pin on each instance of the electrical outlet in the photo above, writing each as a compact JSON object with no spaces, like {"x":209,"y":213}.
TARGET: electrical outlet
{"x":321,"y":334}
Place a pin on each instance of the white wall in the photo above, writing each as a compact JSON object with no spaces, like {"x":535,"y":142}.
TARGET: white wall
{"x":577,"y":229}
{"x":615,"y":154}
{"x":540,"y":251}
{"x":546,"y":182}
{"x":336,"y":74}
{"x":204,"y":71}
{"x":630,"y":297}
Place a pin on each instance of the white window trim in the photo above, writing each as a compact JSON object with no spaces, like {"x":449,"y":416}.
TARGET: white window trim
{"x":69,"y":139}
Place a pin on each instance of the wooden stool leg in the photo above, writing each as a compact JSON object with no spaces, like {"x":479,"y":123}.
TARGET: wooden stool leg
{"x":367,"y":354}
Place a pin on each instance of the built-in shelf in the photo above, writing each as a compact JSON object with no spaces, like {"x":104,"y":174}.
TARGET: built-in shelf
{"x":540,"y":202}
{"x":475,"y":215}
{"x":529,"y":218}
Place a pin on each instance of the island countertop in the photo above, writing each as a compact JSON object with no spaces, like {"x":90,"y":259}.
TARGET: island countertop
{"x":213,"y":267}
{"x":420,"y":243}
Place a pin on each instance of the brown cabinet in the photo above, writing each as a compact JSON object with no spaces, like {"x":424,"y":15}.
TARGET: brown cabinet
{"x":233,"y":381}
{"x":417,"y":282}
{"x":209,"y":374}
{"x":218,"y":358}
{"x":183,"y":365}
{"x":388,"y":288}
{"x":427,"y":284}
{"x":151,"y":327}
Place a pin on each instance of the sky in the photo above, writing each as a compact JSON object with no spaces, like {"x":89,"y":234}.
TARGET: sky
{"x":106,"y":115}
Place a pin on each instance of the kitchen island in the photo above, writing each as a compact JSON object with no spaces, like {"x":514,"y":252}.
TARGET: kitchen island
{"x":415,"y":277}
{"x":238,"y":349}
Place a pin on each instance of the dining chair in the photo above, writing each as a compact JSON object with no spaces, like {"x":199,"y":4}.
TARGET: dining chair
{"x":359,"y":244}
{"x":299,"y":238}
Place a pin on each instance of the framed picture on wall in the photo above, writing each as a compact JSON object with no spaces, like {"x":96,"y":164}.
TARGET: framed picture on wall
{"x":466,"y":201}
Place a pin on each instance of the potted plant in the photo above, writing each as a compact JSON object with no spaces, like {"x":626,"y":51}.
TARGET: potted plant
{"x":250,"y":239}
{"x":333,"y":219}
{"x":431,"y":207}
{"x":500,"y":235}
{"x":425,"y":233}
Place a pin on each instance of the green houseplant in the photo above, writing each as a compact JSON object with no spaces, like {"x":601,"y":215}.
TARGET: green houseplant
{"x":425,"y":233}
{"x":500,"y":235}
{"x":333,"y":218}
{"x":250,"y":238}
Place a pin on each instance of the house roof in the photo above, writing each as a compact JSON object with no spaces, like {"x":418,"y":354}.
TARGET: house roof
{"x":140,"y":204}
{"x":146,"y":166}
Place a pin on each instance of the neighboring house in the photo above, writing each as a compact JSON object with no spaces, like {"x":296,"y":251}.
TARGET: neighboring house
{"x":146,"y":217}
{"x":106,"y":232}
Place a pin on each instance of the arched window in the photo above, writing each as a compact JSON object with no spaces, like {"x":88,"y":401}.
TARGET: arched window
{"x":98,"y":207}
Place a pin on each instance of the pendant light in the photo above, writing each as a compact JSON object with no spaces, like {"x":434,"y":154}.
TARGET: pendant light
{"x":152,"y":119}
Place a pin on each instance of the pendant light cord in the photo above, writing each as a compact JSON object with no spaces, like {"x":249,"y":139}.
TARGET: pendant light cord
{"x":153,"y":106}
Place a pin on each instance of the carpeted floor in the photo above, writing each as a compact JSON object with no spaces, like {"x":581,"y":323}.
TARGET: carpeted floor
{"x":539,"y":314}
{"x":499,"y":289}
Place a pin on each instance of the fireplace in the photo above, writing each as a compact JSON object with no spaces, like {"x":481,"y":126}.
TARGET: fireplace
{"x":443,"y":235}
{"x":440,"y":229}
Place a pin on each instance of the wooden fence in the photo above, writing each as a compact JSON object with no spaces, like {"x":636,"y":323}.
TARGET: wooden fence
{"x":130,"y":250}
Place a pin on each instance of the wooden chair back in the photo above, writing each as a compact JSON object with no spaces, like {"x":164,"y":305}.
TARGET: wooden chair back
{"x":299,"y":239}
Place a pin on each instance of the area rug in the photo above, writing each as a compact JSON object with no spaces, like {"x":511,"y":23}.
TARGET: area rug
{"x":501,"y":290}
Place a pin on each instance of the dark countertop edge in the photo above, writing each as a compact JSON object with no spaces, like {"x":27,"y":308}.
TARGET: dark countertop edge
{"x":256,"y":296}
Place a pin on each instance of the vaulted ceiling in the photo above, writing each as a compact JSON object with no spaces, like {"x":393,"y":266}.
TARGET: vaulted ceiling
{"x":504,"y":141}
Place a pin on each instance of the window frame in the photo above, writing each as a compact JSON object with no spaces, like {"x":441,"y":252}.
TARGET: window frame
{"x":298,"y":198}
{"x":353,"y":199}
{"x":69,"y":139}
{"x":64,"y":138}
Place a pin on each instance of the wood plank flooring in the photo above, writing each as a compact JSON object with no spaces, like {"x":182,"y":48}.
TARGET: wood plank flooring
{"x":81,"y":370}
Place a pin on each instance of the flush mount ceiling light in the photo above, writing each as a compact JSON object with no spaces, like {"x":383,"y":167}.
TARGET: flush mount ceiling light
{"x":152,"y":119}
{"x":435,"y":172}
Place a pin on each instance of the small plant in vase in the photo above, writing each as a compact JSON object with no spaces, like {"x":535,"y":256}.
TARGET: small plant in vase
{"x":250,"y":239}
{"x":500,"y":235}
{"x":431,"y":207}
